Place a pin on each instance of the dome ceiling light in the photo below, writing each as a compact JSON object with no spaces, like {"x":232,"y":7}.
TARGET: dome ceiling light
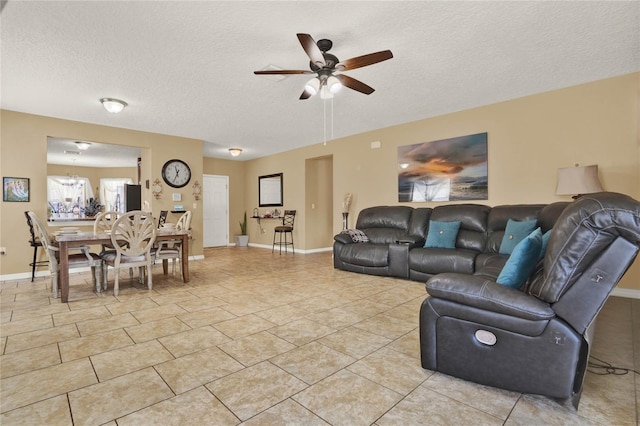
{"x":113,"y":105}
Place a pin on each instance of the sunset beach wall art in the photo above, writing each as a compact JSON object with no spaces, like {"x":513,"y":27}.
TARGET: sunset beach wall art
{"x":444,"y":170}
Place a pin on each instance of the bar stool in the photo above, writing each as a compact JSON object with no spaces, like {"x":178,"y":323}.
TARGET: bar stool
{"x":35,"y":243}
{"x":285,"y":229}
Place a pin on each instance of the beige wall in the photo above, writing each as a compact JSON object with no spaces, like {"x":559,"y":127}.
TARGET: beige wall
{"x":23,"y":153}
{"x":529,"y":139}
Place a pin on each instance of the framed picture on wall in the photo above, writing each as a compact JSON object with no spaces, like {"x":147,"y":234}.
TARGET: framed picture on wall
{"x":15,"y":189}
{"x":444,"y":170}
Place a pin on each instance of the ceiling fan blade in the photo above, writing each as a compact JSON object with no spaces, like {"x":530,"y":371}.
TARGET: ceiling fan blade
{"x":305,"y":95}
{"x":282,"y":72}
{"x":364,"y":60}
{"x":313,"y":51}
{"x":354,"y":84}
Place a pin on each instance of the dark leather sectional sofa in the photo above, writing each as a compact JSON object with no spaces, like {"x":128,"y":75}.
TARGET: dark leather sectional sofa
{"x":533,"y":339}
{"x":397,"y":235}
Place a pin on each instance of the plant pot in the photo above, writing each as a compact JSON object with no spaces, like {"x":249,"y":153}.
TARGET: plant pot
{"x":242,"y":240}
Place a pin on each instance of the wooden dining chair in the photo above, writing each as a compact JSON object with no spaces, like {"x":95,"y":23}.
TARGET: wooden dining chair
{"x":35,"y":243}
{"x":76,"y":260}
{"x":132,"y":235}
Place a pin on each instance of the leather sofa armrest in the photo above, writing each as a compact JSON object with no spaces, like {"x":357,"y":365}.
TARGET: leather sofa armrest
{"x":343,"y":238}
{"x":484,"y":294}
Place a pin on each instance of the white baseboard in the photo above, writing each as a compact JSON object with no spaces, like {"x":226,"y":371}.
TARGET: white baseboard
{"x":626,"y":292}
{"x":318,"y":250}
{"x":27,"y":275}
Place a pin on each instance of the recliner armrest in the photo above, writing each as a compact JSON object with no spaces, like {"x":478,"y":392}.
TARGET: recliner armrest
{"x":481,"y":293}
{"x":343,"y":238}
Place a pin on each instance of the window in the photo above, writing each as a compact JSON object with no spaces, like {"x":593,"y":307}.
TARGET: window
{"x":112,"y":193}
{"x":68,"y":194}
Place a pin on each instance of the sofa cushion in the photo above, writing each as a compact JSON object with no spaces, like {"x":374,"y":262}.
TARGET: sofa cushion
{"x":442,"y":234}
{"x":522,"y":261}
{"x":369,"y":254}
{"x":438,"y":260}
{"x":515,"y":232}
{"x":500,"y":215}
{"x":545,"y":243}
{"x":489,"y":265}
{"x":473,"y":223}
{"x":391,"y":217}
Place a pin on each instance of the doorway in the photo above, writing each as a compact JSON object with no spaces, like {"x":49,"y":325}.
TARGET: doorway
{"x":319,"y":203}
{"x":215,"y":205}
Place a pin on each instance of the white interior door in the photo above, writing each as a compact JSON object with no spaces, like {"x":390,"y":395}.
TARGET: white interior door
{"x":215,"y":200}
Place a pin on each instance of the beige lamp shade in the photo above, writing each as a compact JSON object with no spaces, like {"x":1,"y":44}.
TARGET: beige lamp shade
{"x":578,"y":180}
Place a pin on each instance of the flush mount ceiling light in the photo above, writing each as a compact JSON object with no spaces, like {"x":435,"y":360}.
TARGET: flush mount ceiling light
{"x":235,"y":151}
{"x":83,"y":146}
{"x":113,"y":105}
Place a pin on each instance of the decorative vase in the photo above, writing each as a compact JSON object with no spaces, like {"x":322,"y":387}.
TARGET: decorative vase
{"x":345,"y":221}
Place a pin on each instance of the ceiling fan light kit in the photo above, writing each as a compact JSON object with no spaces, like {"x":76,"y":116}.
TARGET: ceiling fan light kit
{"x":325,"y":65}
{"x":334,"y":84}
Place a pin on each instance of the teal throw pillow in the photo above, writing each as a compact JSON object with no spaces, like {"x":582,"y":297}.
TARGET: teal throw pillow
{"x":522,"y":261}
{"x":514,"y":233}
{"x":545,"y":242}
{"x":442,"y":234}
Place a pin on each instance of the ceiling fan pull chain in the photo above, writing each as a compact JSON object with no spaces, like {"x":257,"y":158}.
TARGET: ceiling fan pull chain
{"x":332,"y":137}
{"x":324,"y":116}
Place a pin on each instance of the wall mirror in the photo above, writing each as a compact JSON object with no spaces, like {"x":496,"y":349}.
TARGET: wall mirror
{"x":270,"y":190}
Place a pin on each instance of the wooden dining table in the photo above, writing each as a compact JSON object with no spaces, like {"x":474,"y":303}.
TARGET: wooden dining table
{"x":67,"y":241}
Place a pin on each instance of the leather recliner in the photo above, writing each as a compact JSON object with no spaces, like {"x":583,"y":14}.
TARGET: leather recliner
{"x":537,"y":339}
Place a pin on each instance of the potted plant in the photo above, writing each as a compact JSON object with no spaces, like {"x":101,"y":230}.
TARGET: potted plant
{"x":242,"y":240}
{"x":92,"y":208}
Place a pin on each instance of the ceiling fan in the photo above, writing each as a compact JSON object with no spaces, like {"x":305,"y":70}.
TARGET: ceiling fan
{"x":326,"y":65}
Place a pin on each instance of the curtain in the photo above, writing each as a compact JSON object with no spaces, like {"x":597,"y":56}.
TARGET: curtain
{"x":64,"y":193}
{"x":112,"y":193}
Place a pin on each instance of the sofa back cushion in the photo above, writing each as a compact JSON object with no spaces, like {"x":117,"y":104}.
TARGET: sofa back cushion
{"x":473,"y":223}
{"x":500,"y":215}
{"x":419,"y":220}
{"x":385,"y":224}
{"x":549,"y":215}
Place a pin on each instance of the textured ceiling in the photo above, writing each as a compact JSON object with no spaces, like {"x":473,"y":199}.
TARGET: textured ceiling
{"x":186,"y":68}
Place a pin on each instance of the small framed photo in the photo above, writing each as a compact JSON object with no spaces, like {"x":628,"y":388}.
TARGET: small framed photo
{"x":176,"y":196}
{"x":15,"y":189}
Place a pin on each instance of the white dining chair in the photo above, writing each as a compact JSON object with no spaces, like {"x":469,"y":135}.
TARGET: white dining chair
{"x":172,"y":249}
{"x":132,"y":236}
{"x":76,"y":260}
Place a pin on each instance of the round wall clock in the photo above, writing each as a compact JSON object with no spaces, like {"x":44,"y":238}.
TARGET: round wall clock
{"x":176,"y":173}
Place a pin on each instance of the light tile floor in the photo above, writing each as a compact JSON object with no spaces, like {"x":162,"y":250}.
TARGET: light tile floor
{"x":264,"y":339}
